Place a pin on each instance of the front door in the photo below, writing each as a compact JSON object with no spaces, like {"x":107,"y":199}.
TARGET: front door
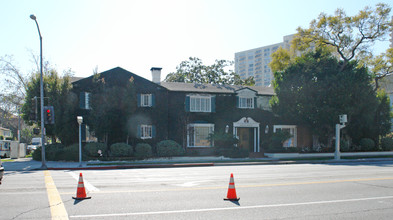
{"x":246,"y":138}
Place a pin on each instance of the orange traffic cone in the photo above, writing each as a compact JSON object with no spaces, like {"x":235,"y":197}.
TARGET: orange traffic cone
{"x":81,"y":192}
{"x":231,"y":190}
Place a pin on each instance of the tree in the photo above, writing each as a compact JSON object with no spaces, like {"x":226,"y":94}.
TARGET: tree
{"x":350,"y":36}
{"x":381,"y":65}
{"x":313,"y":92}
{"x":111,"y":107}
{"x":194,"y":71}
{"x":57,"y":93}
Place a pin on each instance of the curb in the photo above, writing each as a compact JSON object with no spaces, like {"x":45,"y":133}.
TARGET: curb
{"x":139,"y":166}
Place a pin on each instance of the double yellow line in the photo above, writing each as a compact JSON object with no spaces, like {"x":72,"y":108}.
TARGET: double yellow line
{"x":56,"y":205}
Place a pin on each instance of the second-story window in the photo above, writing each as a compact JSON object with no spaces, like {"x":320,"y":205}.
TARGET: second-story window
{"x":200,"y":104}
{"x":246,"y":102}
{"x":84,"y":100}
{"x":146,"y":100}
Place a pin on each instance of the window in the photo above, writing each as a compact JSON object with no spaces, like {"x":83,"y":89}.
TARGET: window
{"x":246,"y":102}
{"x":146,"y":131}
{"x":200,"y":104}
{"x":146,"y":100}
{"x":198,"y":135}
{"x":84,"y":100}
{"x":291,"y":129}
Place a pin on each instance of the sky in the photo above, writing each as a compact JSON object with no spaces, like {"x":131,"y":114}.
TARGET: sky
{"x":83,"y":35}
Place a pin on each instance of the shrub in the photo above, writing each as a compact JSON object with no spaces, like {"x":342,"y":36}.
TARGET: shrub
{"x":233,"y":152}
{"x":91,"y":149}
{"x":121,"y":150}
{"x":142,"y":151}
{"x":56,"y":152}
{"x":387,"y":144}
{"x":344,"y":146}
{"x":169,"y":148}
{"x":37,"y":154}
{"x":69,"y":153}
{"x":223,"y":140}
{"x":367,"y":144}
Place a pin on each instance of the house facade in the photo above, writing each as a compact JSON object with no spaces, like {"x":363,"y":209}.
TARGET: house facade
{"x":188,"y":112}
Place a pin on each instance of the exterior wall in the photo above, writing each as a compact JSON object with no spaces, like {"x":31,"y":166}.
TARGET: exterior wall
{"x":156,"y":115}
{"x":226,"y":113}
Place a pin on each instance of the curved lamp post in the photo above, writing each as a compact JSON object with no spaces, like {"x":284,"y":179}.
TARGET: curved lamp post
{"x":33,"y":17}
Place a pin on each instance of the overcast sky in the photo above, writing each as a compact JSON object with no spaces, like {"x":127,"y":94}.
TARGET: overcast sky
{"x":139,"y":34}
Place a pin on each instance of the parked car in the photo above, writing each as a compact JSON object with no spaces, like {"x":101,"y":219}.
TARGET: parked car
{"x":35,"y":142}
{"x":1,"y":171}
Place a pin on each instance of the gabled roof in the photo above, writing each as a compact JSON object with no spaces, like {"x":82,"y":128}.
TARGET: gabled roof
{"x":116,"y":74}
{"x":214,"y":88}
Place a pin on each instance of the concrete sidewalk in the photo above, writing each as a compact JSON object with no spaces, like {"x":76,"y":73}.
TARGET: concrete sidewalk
{"x":28,"y":164}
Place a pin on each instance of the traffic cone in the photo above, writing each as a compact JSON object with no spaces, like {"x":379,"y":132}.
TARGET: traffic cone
{"x":80,"y":191}
{"x":231,"y":195}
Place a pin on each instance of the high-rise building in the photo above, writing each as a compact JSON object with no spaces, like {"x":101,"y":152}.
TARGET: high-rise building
{"x":255,"y":62}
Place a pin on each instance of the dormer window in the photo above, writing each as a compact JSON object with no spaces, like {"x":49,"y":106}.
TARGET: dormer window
{"x":246,"y":102}
{"x":246,"y":98}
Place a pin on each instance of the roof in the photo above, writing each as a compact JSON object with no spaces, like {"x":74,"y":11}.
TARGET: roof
{"x":214,"y":88}
{"x":75,"y":78}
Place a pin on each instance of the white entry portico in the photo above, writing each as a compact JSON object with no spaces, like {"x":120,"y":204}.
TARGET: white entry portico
{"x":248,"y":122}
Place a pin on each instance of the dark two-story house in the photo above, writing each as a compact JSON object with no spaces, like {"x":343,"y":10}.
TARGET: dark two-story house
{"x":188,"y":112}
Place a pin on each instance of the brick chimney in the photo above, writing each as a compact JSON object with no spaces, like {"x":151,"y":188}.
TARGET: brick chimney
{"x":156,"y":74}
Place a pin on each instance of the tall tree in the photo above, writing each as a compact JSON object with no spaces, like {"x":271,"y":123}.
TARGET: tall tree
{"x":313,"y":92}
{"x":350,"y":36}
{"x":381,"y":65}
{"x":194,"y":71}
{"x":57,"y":94}
{"x":111,"y":106}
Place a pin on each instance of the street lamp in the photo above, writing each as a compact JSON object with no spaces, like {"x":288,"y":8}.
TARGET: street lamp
{"x":80,"y":120}
{"x":33,"y":17}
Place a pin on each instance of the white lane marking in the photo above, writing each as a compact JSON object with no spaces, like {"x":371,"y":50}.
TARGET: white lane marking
{"x":229,"y":208}
{"x":88,"y":186}
{"x":192,"y":183}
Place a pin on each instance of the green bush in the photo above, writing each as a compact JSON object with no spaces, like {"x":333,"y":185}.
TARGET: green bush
{"x":56,"y":152}
{"x":223,"y":140}
{"x":69,"y":153}
{"x":121,"y":150}
{"x":142,"y":151}
{"x":387,"y":144}
{"x":37,"y":154}
{"x":91,"y":149}
{"x":367,"y":144}
{"x":169,"y":148}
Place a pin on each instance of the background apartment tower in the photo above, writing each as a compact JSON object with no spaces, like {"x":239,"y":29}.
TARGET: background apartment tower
{"x":255,"y":62}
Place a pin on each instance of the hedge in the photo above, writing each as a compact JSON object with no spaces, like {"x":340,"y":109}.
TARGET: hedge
{"x":169,"y":148}
{"x":121,"y":150}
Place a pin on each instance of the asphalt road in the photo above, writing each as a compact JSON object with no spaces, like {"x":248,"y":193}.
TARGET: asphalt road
{"x":299,"y":191}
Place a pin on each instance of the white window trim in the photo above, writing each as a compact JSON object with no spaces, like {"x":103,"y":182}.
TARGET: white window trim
{"x":87,"y":100}
{"x":145,"y":132}
{"x":149,"y":97}
{"x":198,"y":125}
{"x":292,"y":132}
{"x":247,"y":107}
{"x":208,"y":107}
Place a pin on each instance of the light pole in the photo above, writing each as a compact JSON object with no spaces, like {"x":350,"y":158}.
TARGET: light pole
{"x":33,"y":17}
{"x":80,"y":120}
